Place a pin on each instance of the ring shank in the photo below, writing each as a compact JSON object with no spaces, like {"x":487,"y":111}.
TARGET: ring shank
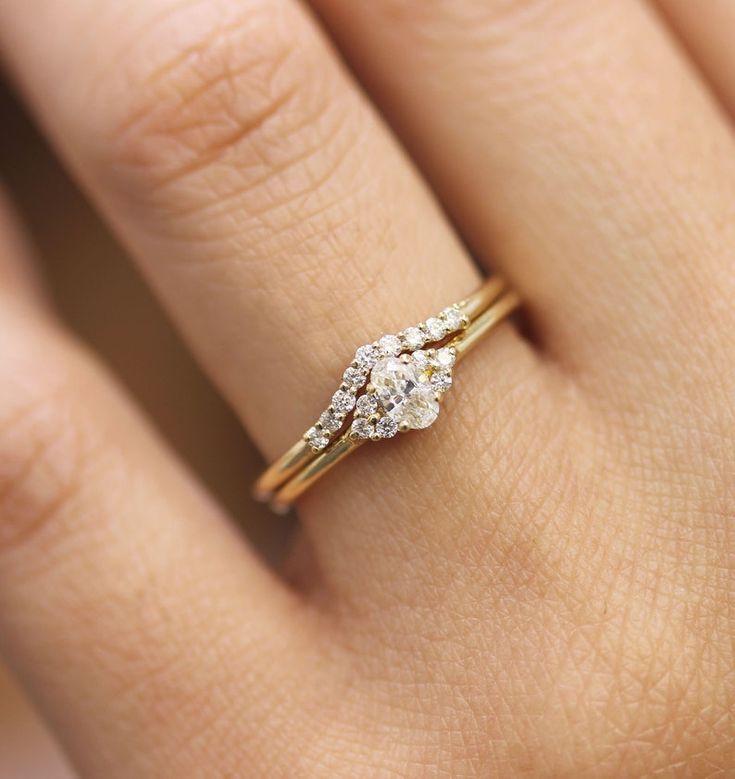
{"x":296,"y":458}
{"x":482,"y":297}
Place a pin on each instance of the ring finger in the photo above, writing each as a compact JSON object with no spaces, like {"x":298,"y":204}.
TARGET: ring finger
{"x":263,"y":197}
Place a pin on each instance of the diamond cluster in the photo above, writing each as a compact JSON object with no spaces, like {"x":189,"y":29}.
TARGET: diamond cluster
{"x":404,"y":383}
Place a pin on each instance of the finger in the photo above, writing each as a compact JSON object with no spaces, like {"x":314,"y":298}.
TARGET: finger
{"x":128,"y":607}
{"x":255,"y":184}
{"x":706,"y":30}
{"x":600,"y":182}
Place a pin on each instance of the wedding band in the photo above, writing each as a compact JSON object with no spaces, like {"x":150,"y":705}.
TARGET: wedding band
{"x":393,"y":385}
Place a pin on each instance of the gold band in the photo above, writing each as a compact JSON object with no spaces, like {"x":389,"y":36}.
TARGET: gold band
{"x":302,"y":465}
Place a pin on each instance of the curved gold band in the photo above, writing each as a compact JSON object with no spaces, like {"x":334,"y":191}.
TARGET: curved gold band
{"x":295,"y":471}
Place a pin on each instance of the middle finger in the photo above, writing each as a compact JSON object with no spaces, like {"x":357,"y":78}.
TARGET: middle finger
{"x":576,"y":144}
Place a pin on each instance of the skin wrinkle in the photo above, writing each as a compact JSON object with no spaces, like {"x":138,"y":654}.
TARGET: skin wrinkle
{"x":40,"y":474}
{"x":191,"y":61}
{"x":229,"y":204}
{"x":220,"y":147}
{"x":336,"y":325}
{"x":205,"y":709}
{"x":160,"y":123}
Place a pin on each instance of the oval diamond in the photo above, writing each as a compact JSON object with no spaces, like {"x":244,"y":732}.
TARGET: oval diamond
{"x":404,"y":392}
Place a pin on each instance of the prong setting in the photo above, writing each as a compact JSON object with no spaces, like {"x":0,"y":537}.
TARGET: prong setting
{"x":424,"y":377}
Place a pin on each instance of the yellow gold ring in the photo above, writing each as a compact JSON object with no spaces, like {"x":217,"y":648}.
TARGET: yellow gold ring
{"x":393,"y":385}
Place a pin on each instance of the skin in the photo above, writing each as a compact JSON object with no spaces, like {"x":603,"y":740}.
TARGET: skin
{"x":539,"y":585}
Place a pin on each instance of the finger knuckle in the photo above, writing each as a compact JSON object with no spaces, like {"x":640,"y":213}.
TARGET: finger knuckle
{"x":235,"y":95}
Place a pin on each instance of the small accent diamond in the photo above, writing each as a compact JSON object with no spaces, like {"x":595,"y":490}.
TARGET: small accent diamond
{"x":330,"y":421}
{"x":362,"y":428}
{"x":390,"y":345}
{"x":444,"y":357}
{"x":354,"y":377}
{"x":441,"y":381}
{"x":435,"y":328}
{"x":421,"y":357}
{"x":387,"y":427}
{"x":413,"y":338}
{"x":367,"y":405}
{"x":452,"y":317}
{"x":366,"y":356}
{"x":343,"y":402}
{"x":317,"y":438}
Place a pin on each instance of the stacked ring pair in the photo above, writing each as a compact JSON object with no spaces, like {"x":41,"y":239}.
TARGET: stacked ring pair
{"x":393,"y":385}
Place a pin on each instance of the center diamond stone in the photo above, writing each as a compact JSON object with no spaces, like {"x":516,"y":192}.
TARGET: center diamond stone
{"x":404,"y":392}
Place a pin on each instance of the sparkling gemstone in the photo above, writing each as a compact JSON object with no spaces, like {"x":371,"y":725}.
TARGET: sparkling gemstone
{"x":366,"y":356}
{"x":444,"y":358}
{"x":413,"y":338}
{"x":330,"y":421}
{"x":452,"y":317}
{"x":354,"y":377}
{"x":404,"y":392}
{"x":362,"y":427}
{"x":343,"y":402}
{"x":367,"y":405}
{"x":422,"y":358}
{"x":390,"y":345}
{"x":317,"y":438}
{"x":386,"y":427}
{"x":441,"y":381}
{"x":435,"y":328}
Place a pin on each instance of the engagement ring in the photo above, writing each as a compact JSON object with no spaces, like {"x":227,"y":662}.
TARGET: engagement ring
{"x":393,"y":385}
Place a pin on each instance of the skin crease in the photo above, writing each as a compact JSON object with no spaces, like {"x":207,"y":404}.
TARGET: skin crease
{"x":539,"y":585}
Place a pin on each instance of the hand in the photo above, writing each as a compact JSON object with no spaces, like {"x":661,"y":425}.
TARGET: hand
{"x":542,"y":583}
